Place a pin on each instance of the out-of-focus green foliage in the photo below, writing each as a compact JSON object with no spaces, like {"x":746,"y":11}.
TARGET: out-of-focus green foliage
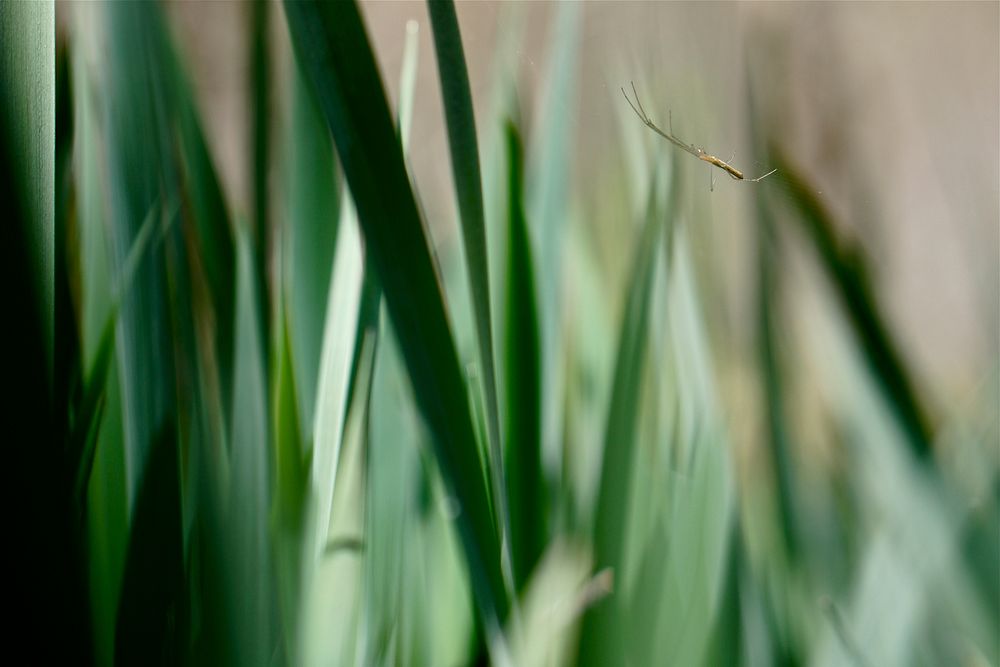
{"x":259,"y":437}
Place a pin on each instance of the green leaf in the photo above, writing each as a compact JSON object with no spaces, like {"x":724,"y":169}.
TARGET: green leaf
{"x":549,"y":174}
{"x":842,"y":264}
{"x":408,"y":84}
{"x":313,"y":205}
{"x":107,"y":521}
{"x":260,"y":72}
{"x":621,"y":425}
{"x":599,"y":635}
{"x":457,"y":100}
{"x":27,"y":84}
{"x":392,"y":521}
{"x":251,"y":585}
{"x":772,"y":376}
{"x":335,"y":627}
{"x":139,"y":153}
{"x":46,"y":554}
{"x":291,"y":486}
{"x":151,"y":623}
{"x":339,"y":344}
{"x":332,"y":46}
{"x":87,"y":408}
{"x":525,"y":480}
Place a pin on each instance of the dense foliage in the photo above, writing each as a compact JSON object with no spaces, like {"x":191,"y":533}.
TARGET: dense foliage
{"x":305,"y":434}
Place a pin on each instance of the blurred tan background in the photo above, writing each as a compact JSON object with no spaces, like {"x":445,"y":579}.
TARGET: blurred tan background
{"x":892,"y":108}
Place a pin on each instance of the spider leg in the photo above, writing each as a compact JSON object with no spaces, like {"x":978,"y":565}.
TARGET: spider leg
{"x":645,"y":116}
{"x":632,"y":105}
{"x":761,"y":178}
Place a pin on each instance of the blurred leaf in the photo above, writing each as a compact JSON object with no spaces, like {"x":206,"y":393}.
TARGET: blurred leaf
{"x":27,"y":77}
{"x":981,"y":547}
{"x":212,"y":250}
{"x":138,"y":154}
{"x":841,"y":264}
{"x":46,"y":546}
{"x":291,"y":485}
{"x":67,"y":353}
{"x":457,"y":100}
{"x":553,"y":602}
{"x":725,"y":647}
{"x":313,"y":200}
{"x":549,"y":174}
{"x":107,"y":521}
{"x":408,"y":84}
{"x":105,"y":503}
{"x":525,"y":479}
{"x":391,"y":517}
{"x":87,"y":407}
{"x":778,"y":444}
{"x":336,"y":626}
{"x":691,"y":579}
{"x":151,"y":623}
{"x":332,"y":46}
{"x":251,"y":586}
{"x":649,"y":598}
{"x":156,"y":149}
{"x":260,"y":86}
{"x":600,"y":638}
{"x":339,"y":344}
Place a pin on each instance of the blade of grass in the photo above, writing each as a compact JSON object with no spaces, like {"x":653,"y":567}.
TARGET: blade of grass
{"x":336,"y":627}
{"x":87,"y":408}
{"x":250,"y":548}
{"x":332,"y":46}
{"x":549,"y":171}
{"x":67,"y":352}
{"x":601,"y":640}
{"x":45,"y":553}
{"x":260,"y":87}
{"x":391,"y":533}
{"x":768,"y":263}
{"x":107,"y":537}
{"x":291,"y":485}
{"x":408,"y":84}
{"x":339,"y":342}
{"x":213,"y":245}
{"x":138,"y":154}
{"x":457,"y":100}
{"x":313,"y":204}
{"x":841,"y":263}
{"x":151,"y":612}
{"x":27,"y":74}
{"x":525,"y":480}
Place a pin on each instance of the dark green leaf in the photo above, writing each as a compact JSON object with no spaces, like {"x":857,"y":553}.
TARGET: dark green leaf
{"x":333,"y":49}
{"x":457,"y":100}
{"x":525,"y":481}
{"x":151,"y":625}
{"x":772,"y":376}
{"x":311,"y":236}
{"x":881,"y":351}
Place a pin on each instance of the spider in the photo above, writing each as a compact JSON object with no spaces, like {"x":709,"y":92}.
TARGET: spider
{"x":699,"y":153}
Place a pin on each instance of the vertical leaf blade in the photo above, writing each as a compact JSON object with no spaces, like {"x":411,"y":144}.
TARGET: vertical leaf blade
{"x":457,"y":100}
{"x":332,"y":45}
{"x":525,"y":482}
{"x":601,"y":638}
